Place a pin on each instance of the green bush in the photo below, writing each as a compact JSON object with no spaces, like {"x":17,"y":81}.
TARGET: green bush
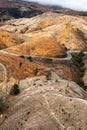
{"x":80,"y":82}
{"x":85,"y":88}
{"x":79,"y":63}
{"x":82,"y":69}
{"x":22,"y":56}
{"x":81,"y":74}
{"x":2,"y":104}
{"x":81,"y":54}
{"x":78,"y":59}
{"x":30,"y":58}
{"x":15,"y":90}
{"x":35,"y":71}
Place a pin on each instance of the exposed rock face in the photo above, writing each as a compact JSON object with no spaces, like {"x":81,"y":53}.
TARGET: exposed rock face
{"x":47,"y":104}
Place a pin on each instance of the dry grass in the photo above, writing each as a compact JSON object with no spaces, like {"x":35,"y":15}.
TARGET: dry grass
{"x":17,"y":71}
{"x":8,"y":39}
{"x":42,"y":46}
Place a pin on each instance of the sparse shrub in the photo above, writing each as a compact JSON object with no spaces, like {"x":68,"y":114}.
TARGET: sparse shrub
{"x":30,"y":58}
{"x":2,"y":104}
{"x":15,"y":90}
{"x":67,"y":84}
{"x":22,"y":56}
{"x":79,"y":63}
{"x":81,"y":54}
{"x":81,"y":74}
{"x":13,"y":24}
{"x":48,"y":75}
{"x":78,"y":59}
{"x":82,"y":69}
{"x":56,"y":80}
{"x":80,"y":81}
{"x":85,"y":88}
{"x":35,"y":71}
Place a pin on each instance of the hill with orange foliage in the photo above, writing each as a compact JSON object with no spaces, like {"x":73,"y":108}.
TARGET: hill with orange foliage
{"x":8,"y":39}
{"x":59,"y":31}
{"x":19,"y":68}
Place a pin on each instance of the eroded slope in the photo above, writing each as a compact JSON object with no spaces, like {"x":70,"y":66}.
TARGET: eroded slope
{"x":47,"y":104}
{"x":69,"y":32}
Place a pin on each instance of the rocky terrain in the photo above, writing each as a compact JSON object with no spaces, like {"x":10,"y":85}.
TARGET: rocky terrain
{"x":45,"y":35}
{"x":21,"y":3}
{"x":46,"y":104}
{"x":69,"y":34}
{"x":39,"y":55}
{"x":10,"y":9}
{"x":20,"y":8}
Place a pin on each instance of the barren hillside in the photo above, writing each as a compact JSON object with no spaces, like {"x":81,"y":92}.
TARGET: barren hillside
{"x":68,"y":32}
{"x":46,"y":104}
{"x":8,"y":39}
{"x":19,"y":68}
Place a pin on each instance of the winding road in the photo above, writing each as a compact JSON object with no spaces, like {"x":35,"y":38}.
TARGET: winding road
{"x":37,"y":58}
{"x":67,"y":58}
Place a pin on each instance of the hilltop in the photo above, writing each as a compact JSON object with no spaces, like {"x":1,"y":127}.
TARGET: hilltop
{"x":10,"y":9}
{"x":19,"y":8}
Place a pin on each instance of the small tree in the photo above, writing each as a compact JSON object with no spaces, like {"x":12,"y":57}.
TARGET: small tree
{"x":15,"y":90}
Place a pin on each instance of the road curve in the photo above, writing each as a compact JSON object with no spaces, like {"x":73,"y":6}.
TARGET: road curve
{"x":67,"y":58}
